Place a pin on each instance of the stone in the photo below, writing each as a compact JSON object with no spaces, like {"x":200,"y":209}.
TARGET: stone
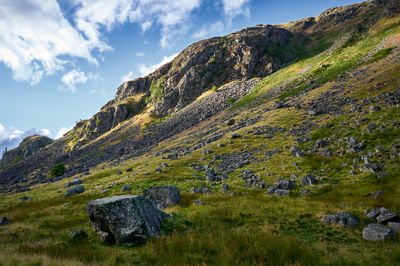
{"x":125,"y":220}
{"x":78,"y":234}
{"x":74,"y":182}
{"x":377,"y":232}
{"x":72,"y":191}
{"x":374,"y":109}
{"x":118,"y":172}
{"x":345,"y":219}
{"x":4,"y":221}
{"x":394,"y":225}
{"x":369,"y":168}
{"x":126,"y":188}
{"x":210,"y":175}
{"x":296,"y":152}
{"x":308,"y":180}
{"x":281,"y":192}
{"x":382,"y":215}
{"x":377,"y":194}
{"x":284,"y":184}
{"x":164,"y":195}
{"x":164,"y":165}
{"x":198,"y":202}
{"x":24,"y":198}
{"x":321,"y":143}
{"x":304,"y":192}
{"x":225,"y":188}
{"x":129,"y":169}
{"x":235,"y":136}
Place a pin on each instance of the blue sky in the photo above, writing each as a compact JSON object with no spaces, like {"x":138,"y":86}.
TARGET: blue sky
{"x":60,"y":61}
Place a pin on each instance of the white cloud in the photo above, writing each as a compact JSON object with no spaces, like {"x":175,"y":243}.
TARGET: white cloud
{"x":233,"y":8}
{"x":145,"y":70}
{"x":74,"y":77}
{"x":209,"y":30}
{"x":128,"y":76}
{"x":62,"y":131}
{"x":35,"y":37}
{"x":139,"y":54}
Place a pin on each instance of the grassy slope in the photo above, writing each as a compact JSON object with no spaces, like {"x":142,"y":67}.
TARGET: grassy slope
{"x":249,"y":227}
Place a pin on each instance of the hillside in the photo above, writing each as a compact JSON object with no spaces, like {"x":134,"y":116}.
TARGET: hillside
{"x":296,"y":121}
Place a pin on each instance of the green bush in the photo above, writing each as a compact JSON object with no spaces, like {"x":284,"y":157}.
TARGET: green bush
{"x":57,"y":170}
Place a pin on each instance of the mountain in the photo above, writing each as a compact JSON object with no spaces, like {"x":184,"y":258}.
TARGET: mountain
{"x":272,"y":134}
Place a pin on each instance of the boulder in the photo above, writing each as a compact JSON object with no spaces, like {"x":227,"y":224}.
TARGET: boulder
{"x":345,"y":219}
{"x":125,"y":220}
{"x":126,"y":188}
{"x":382,"y":215}
{"x":74,"y":191}
{"x":225,"y":188}
{"x":308,"y":180}
{"x":395,"y":226}
{"x":284,"y":184}
{"x":377,"y":232}
{"x":304,"y":192}
{"x":4,"y":221}
{"x":281,"y":192}
{"x":164,"y":196}
{"x":369,"y":168}
{"x":74,"y":182}
{"x":235,"y":135}
{"x":296,"y":152}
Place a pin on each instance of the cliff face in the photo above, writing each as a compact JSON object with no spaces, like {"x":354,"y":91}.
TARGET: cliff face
{"x":29,"y":146}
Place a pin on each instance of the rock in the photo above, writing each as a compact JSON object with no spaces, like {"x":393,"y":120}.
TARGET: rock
{"x":74,"y":182}
{"x":4,"y":221}
{"x":198,"y":202}
{"x":74,"y":191}
{"x":163,"y":195}
{"x":78,"y":234}
{"x":377,"y":194}
{"x":382,"y":215}
{"x":125,"y":220}
{"x":210,"y":175}
{"x":221,"y":145}
{"x":369,"y":168}
{"x":304,"y":192}
{"x":281,"y":192}
{"x":308,"y":180}
{"x":296,"y":152}
{"x":225,"y":188}
{"x":118,"y":172}
{"x":235,"y":136}
{"x":164,"y":165}
{"x":284,"y":184}
{"x":126,"y":188}
{"x":321,"y":143}
{"x":394,"y":225}
{"x":345,"y":219}
{"x":382,"y":174}
{"x":159,"y":170}
{"x":374,"y":109}
{"x":377,"y":232}
{"x":129,"y":169}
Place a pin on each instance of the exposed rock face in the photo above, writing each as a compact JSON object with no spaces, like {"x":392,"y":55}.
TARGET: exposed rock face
{"x":125,"y":220}
{"x":29,"y":145}
{"x":377,"y":232}
{"x":345,"y":219}
{"x":164,"y":196}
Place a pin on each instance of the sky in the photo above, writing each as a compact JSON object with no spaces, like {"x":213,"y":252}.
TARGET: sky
{"x":61,"y":61}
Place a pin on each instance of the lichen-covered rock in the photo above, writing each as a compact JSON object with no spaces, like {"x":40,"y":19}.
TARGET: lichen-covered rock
{"x":377,"y":232}
{"x":164,"y":196}
{"x":345,"y":219}
{"x":125,"y":220}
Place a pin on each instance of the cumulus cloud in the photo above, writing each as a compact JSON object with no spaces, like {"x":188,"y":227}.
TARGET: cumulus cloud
{"x":62,"y":131}
{"x":209,"y":30}
{"x":128,"y":76}
{"x":74,"y":77}
{"x":145,"y":70}
{"x":35,"y":37}
{"x":233,"y":8}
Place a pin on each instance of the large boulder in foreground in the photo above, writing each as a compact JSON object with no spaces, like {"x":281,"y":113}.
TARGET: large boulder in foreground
{"x":125,"y":220}
{"x":163,"y":196}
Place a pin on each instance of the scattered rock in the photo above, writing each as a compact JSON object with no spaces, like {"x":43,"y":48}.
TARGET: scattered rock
{"x":284,"y":184}
{"x":225,"y":188}
{"x":78,"y":234}
{"x":304,"y":192}
{"x":210,"y":175}
{"x":308,"y":180}
{"x":281,"y":192}
{"x":118,"y":172}
{"x":129,"y":169}
{"x":369,"y":168}
{"x":125,"y":220}
{"x":376,"y":194}
{"x":377,"y":232}
{"x":74,"y":191}
{"x":74,"y":182}
{"x":235,"y":136}
{"x":382,"y":215}
{"x":345,"y":219}
{"x":126,"y":188}
{"x":4,"y":221}
{"x":296,"y":152}
{"x":164,"y":196}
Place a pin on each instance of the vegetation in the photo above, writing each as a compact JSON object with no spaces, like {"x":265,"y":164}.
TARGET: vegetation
{"x":57,"y":170}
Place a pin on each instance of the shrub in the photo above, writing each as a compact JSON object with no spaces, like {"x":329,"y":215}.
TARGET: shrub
{"x":57,"y":170}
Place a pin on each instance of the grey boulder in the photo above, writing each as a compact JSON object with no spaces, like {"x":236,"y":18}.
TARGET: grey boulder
{"x":345,"y":219}
{"x":308,"y":180}
{"x":125,"y":220}
{"x":164,"y":196}
{"x":281,"y":192}
{"x":377,"y":232}
{"x":74,"y":191}
{"x":382,"y":215}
